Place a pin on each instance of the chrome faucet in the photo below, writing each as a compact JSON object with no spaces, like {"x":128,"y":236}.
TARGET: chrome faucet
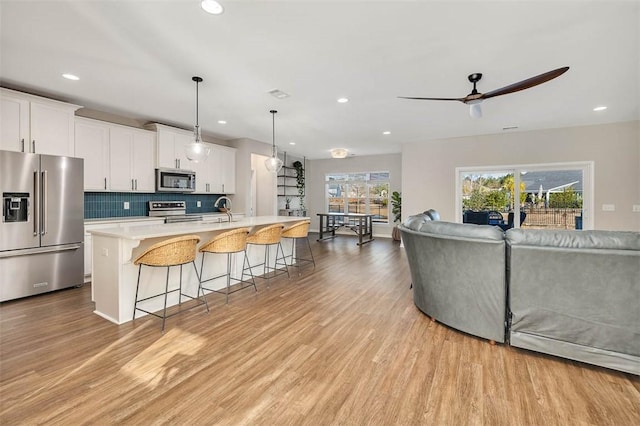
{"x":226,"y":208}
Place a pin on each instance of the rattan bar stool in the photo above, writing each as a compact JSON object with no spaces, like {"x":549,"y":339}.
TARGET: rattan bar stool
{"x":172,"y":252}
{"x":267,"y":237}
{"x":230,"y":242}
{"x":298,"y":231}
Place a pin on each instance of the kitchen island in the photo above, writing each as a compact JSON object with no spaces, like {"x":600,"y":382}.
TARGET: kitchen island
{"x":113,"y":285}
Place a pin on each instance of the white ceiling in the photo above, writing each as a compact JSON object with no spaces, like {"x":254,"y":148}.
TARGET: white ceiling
{"x":136,"y":59}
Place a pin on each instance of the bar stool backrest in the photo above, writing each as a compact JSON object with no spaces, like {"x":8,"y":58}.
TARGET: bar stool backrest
{"x":228,"y":242}
{"x":268,"y":235}
{"x":297,"y":230}
{"x":174,"y":251}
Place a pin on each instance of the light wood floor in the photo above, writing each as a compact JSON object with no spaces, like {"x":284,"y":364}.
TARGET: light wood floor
{"x":343,"y":344}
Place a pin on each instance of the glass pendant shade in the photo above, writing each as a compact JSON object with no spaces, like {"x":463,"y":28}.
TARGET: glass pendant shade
{"x":273,"y":163}
{"x":196,"y":151}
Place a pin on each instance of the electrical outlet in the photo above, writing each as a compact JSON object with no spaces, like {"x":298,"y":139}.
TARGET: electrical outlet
{"x":608,"y":207}
{"x":198,"y":204}
{"x":126,"y":205}
{"x":636,"y":208}
{"x":105,"y":252}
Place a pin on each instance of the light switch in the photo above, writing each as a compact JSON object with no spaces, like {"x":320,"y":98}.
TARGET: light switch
{"x":608,"y":207}
{"x":636,"y":208}
{"x":198,"y":204}
{"x":126,"y":205}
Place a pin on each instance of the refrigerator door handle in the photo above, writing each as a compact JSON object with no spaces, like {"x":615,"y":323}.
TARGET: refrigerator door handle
{"x":45,"y":201}
{"x":36,"y":203}
{"x":39,"y":250}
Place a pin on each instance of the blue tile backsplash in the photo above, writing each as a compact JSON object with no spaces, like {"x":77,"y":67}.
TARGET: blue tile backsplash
{"x":111,"y":204}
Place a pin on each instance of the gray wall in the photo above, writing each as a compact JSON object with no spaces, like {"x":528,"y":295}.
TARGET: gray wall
{"x":428,"y":168}
{"x":316,"y":170}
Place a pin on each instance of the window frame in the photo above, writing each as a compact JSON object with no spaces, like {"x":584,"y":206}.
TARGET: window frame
{"x":367,"y":183}
{"x":587,"y":168}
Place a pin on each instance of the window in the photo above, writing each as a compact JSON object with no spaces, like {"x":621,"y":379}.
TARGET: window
{"x":365,"y":192}
{"x":547,"y":196}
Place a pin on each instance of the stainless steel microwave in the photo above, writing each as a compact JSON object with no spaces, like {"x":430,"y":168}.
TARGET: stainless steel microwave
{"x":175,"y":180}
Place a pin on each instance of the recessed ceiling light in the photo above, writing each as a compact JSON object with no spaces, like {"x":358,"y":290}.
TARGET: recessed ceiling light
{"x":292,"y":143}
{"x":343,"y":100}
{"x":600,"y":108}
{"x":386,"y":132}
{"x":71,"y":77}
{"x":222,"y":122}
{"x":212,"y":6}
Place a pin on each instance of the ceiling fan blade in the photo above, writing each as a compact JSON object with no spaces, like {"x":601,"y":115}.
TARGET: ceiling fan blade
{"x":525,"y":84}
{"x":434,"y":99}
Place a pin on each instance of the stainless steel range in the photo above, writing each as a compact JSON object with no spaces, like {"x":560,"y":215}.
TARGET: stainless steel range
{"x":172,"y":211}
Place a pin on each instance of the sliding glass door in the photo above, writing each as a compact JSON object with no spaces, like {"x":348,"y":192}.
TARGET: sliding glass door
{"x":547,"y":196}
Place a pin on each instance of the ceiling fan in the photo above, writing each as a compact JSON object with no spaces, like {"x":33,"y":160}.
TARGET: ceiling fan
{"x":474,"y":99}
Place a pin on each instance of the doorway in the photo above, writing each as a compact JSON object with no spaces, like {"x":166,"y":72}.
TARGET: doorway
{"x":263,"y":188}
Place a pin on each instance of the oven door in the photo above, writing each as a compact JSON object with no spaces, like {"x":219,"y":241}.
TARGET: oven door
{"x":175,"y":180}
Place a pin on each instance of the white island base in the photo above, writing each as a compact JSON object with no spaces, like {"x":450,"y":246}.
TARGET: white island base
{"x":113,"y":287}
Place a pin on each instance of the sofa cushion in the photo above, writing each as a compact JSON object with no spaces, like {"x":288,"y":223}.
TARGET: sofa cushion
{"x":462,"y":230}
{"x":614,"y":240}
{"x":414,"y":222}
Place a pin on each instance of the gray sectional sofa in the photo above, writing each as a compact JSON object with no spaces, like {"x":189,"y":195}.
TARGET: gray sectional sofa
{"x":574,"y":294}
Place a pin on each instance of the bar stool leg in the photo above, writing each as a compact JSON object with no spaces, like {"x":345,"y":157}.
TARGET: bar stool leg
{"x":200,"y":284}
{"x":313,"y":260}
{"x":180,"y":291}
{"x":228,"y":275}
{"x":284,"y":260}
{"x":246,"y":259}
{"x":265,"y":268}
{"x":166,"y":292}
{"x":135,"y":302}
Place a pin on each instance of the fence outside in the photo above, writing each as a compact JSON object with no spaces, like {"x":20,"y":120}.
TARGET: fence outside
{"x":552,"y":218}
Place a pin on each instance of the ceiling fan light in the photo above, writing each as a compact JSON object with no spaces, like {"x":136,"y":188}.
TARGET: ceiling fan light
{"x":475,"y":111}
{"x":339,"y":153}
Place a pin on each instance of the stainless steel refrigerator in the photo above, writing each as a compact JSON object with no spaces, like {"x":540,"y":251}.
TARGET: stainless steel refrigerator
{"x":42,"y":228}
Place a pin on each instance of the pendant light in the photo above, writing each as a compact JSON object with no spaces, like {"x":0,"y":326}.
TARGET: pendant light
{"x":273,"y":163}
{"x":196,"y":150}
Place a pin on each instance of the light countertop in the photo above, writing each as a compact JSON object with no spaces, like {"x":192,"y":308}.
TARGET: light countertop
{"x":123,"y":219}
{"x":142,"y":232}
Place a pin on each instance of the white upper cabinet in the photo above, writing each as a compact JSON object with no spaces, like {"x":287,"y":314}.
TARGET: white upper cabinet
{"x":14,"y":124}
{"x":117,"y":158}
{"x":171,"y":147}
{"x":33,"y":124}
{"x":203,"y":169}
{"x":144,"y":160}
{"x":92,"y":144}
{"x":223,"y":167}
{"x":121,"y":158}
